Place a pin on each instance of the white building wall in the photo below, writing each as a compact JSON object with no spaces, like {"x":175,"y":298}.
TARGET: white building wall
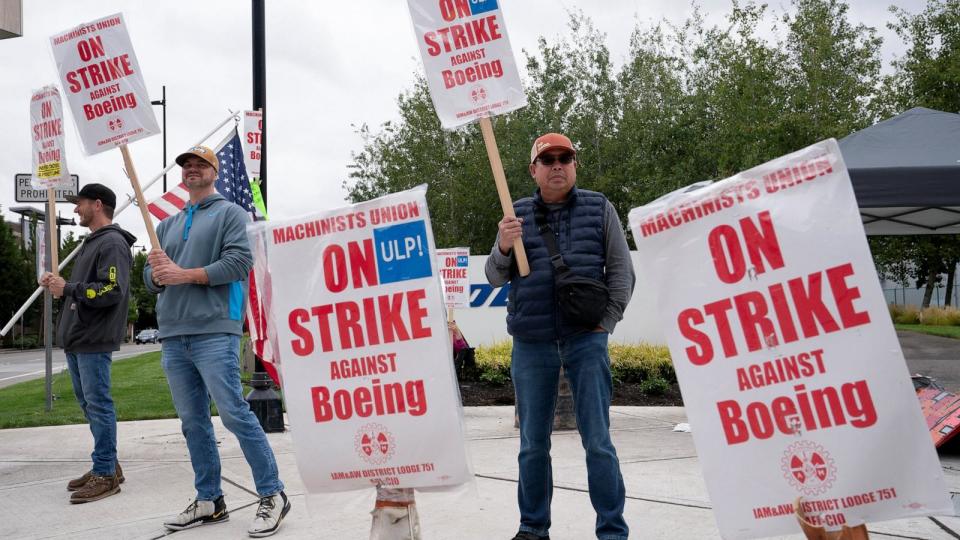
{"x":485,"y":321}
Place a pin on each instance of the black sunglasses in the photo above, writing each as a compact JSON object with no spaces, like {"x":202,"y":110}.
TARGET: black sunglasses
{"x":549,"y":160}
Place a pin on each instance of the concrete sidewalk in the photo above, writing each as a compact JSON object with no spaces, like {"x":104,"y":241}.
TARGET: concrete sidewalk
{"x":666,"y":496}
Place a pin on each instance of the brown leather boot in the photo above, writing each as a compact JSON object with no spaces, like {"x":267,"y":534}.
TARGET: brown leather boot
{"x":97,"y":488}
{"x":78,"y":483}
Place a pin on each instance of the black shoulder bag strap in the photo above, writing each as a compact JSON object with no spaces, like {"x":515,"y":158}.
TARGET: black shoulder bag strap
{"x":546,"y":232}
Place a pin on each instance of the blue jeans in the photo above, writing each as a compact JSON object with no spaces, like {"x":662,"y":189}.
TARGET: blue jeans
{"x":202,"y":366}
{"x":535,"y":370}
{"x":90,"y":373}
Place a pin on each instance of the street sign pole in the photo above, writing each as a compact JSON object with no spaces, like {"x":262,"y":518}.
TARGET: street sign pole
{"x":48,"y":317}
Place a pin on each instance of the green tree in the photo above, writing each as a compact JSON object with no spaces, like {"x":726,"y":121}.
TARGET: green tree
{"x":143,"y":303}
{"x":834,"y":71}
{"x":16,"y":273}
{"x":928,"y":75}
{"x":69,"y":243}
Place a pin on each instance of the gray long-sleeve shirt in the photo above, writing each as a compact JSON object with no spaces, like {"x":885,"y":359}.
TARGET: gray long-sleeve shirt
{"x":618,"y":269}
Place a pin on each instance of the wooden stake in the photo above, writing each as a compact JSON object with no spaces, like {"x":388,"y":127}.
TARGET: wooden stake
{"x":52,"y":235}
{"x":395,"y":515}
{"x":813,"y":532}
{"x":52,"y":231}
{"x":141,"y":202}
{"x":502,"y":190}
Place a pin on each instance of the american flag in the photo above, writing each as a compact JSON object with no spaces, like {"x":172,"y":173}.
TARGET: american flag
{"x":232,"y":180}
{"x":234,"y":185}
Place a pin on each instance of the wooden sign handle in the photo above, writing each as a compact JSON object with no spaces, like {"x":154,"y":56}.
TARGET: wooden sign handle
{"x":502,"y":190}
{"x":814,"y":532}
{"x":141,"y":202}
{"x":52,"y":231}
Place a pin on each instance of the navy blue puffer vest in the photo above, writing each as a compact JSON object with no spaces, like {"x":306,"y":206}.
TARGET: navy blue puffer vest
{"x":532,"y":312}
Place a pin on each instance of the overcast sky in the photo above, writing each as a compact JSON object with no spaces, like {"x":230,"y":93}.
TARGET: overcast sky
{"x":330,"y":66}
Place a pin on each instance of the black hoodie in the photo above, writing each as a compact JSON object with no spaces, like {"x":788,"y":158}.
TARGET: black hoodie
{"x":93,"y":317}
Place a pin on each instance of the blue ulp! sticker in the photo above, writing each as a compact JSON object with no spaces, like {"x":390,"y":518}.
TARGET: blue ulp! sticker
{"x":402,"y":252}
{"x":482,"y":6}
{"x":463,"y":261}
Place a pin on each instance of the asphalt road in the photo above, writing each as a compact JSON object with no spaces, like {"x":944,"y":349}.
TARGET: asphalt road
{"x":933,"y":356}
{"x":19,"y":366}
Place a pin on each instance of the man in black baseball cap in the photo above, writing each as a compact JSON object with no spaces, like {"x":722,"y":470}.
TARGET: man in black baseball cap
{"x":95,"y":192}
{"x":93,"y":323}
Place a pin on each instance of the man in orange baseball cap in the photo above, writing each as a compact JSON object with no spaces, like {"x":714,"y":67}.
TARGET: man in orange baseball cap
{"x":566,"y":231}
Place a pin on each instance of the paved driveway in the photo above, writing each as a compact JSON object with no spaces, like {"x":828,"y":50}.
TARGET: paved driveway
{"x":934,"y":356}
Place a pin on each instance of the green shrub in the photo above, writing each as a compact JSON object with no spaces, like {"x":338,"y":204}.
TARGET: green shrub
{"x":495,"y":376}
{"x":631,"y":363}
{"x":493,"y":362}
{"x":655,"y":386}
{"x":904,"y":314}
{"x":639,"y":362}
{"x":26,"y":342}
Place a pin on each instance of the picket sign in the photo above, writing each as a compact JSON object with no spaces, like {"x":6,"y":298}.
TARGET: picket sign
{"x":472,"y":76}
{"x":363,"y":345}
{"x":107,"y":94}
{"x":792,"y":375}
{"x":49,"y":155}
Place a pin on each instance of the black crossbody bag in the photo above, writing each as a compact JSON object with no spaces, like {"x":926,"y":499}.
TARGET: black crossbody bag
{"x":582,"y":300}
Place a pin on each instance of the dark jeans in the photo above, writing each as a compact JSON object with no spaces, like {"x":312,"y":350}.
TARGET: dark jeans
{"x":535,"y":370}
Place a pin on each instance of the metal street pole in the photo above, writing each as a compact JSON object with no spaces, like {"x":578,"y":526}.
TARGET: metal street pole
{"x":264,"y":401}
{"x":163,"y":105}
{"x":260,"y":86}
{"x":51,"y":221}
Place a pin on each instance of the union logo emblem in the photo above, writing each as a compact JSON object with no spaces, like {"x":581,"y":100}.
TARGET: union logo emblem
{"x":374,"y":443}
{"x":478,"y":94}
{"x":808,"y":467}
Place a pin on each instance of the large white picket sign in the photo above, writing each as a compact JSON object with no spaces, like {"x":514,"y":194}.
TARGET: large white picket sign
{"x":103,"y":83}
{"x":792,"y":375}
{"x":467,"y":57}
{"x":46,"y":136}
{"x":365,"y":354}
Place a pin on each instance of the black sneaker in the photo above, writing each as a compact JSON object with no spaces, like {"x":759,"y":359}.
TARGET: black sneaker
{"x":525,"y":535}
{"x":199,"y":513}
{"x":270,"y":513}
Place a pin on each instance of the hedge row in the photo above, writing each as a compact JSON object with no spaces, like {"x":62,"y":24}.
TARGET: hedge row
{"x":628,"y":363}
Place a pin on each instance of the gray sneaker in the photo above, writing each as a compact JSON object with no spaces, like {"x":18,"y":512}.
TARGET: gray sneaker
{"x":269,"y":515}
{"x":199,"y":513}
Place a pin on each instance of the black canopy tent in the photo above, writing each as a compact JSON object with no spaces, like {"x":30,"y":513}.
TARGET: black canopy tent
{"x":906,"y":173}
